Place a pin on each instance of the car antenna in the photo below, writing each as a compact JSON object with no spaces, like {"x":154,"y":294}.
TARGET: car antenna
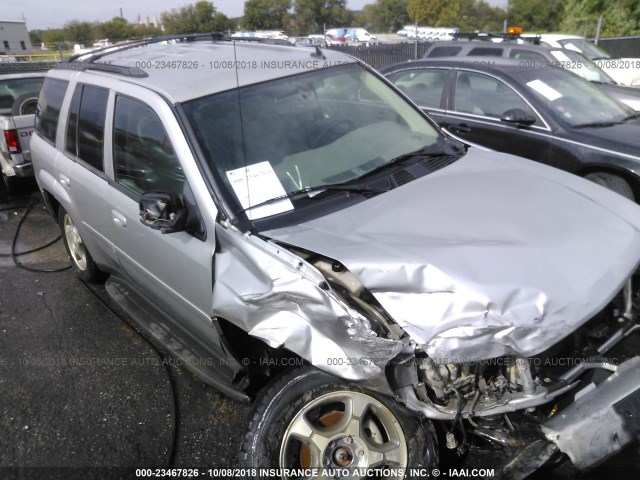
{"x":318,"y":53}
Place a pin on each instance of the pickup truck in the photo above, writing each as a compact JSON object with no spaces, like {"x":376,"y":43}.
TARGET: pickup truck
{"x":18,"y":101}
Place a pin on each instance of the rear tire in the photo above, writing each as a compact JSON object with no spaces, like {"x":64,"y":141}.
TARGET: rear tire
{"x":612,"y":182}
{"x":308,"y":419}
{"x":25,"y":104}
{"x":81,"y":260}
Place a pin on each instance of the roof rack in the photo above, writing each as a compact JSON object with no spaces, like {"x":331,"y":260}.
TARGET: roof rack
{"x":90,"y":60}
{"x":269,"y":41}
{"x":104,"y":67}
{"x":487,"y":37}
{"x":100,"y":52}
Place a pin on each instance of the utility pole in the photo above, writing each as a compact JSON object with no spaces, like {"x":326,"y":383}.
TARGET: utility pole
{"x":598,"y":29}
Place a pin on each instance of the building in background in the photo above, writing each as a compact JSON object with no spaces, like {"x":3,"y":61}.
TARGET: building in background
{"x":14,"y":38}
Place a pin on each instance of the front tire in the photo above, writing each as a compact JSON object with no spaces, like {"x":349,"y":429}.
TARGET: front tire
{"x":612,"y":182}
{"x":81,"y":260}
{"x":307,"y":419}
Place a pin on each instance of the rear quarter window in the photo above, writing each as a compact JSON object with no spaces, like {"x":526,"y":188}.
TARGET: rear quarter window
{"x":443,"y":52}
{"x":49,"y":104}
{"x":485,"y":52}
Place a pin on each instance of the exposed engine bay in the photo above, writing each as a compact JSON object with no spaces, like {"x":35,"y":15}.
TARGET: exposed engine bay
{"x":526,"y":405}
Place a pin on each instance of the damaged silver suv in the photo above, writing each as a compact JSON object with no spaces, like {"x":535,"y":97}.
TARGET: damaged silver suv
{"x":297,"y":232}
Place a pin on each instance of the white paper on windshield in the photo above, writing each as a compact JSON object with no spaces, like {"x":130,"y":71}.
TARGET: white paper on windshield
{"x":560,"y":56}
{"x":545,"y":90}
{"x":255,"y":184}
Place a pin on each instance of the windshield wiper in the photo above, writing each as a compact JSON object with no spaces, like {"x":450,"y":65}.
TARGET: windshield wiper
{"x":417,"y":154}
{"x":603,"y":124}
{"x":345,"y":187}
{"x":632,"y":116}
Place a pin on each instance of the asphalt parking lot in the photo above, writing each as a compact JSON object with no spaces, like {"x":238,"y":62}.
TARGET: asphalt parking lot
{"x":81,"y":388}
{"x":84,"y":395}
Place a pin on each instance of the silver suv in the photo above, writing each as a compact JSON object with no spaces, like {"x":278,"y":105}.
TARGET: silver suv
{"x":300,"y":235}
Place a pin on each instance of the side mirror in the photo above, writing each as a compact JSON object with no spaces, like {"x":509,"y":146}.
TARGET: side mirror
{"x":518,"y":116}
{"x":163,"y":211}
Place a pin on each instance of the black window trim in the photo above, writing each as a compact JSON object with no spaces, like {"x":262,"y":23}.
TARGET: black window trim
{"x":450,"y":108}
{"x":75,"y":158}
{"x":64,"y":97}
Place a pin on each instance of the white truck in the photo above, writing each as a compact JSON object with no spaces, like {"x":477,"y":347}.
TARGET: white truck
{"x":18,"y":101}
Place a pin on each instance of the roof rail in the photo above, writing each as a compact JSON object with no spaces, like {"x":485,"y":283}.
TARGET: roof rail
{"x":103,"y":67}
{"x":269,"y":41}
{"x":190,"y":37}
{"x":90,"y":60}
{"x":488,"y":36}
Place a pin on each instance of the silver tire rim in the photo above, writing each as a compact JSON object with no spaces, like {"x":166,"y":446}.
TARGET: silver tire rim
{"x":74,"y":241}
{"x":354,"y":433}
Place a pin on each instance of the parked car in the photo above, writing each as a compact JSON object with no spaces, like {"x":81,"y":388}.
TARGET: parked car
{"x":309,"y":42}
{"x":540,"y":56}
{"x":18,"y":100}
{"x":262,"y":218}
{"x":625,"y":71}
{"x":544,"y":114}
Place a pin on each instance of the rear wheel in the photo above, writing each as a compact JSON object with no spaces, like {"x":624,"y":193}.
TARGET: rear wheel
{"x":308,"y":419}
{"x":612,"y":182}
{"x":81,"y":259}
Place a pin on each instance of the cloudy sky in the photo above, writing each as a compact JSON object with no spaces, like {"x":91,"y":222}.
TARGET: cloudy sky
{"x":42,"y":14}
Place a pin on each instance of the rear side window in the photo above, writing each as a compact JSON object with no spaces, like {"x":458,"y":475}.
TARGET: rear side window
{"x":49,"y":103}
{"x":485,"y":52}
{"x":443,"y":52}
{"x":424,"y":87}
{"x":527,"y":55}
{"x":85,"y":128}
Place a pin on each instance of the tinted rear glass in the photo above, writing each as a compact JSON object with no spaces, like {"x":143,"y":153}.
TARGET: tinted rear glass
{"x":49,"y":104}
{"x":443,"y":52}
{"x":485,"y":52}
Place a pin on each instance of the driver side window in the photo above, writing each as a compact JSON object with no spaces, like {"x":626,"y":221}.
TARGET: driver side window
{"x":487,"y":96}
{"x":144,"y":159}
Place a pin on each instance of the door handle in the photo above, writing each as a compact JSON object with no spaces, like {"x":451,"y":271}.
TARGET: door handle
{"x":119,"y":219}
{"x":462,"y":128}
{"x":64,"y":180}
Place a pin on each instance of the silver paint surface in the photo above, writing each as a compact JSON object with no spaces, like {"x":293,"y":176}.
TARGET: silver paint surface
{"x":493,"y":255}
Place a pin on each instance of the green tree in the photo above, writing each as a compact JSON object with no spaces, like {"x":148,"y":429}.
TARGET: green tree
{"x":200,"y":17}
{"x":79,"y":32}
{"x":117,"y":29}
{"x":52,"y":36}
{"x":536,"y":15}
{"x":619,"y":17}
{"x":387,"y":15}
{"x":314,"y":15}
{"x":265,"y":14}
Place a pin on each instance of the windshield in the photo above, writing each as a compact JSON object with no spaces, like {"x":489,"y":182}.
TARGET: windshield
{"x":318,"y":128}
{"x":581,"y":66}
{"x":573,"y":100}
{"x":588,"y":49}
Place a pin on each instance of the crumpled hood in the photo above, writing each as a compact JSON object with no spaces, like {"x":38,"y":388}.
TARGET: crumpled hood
{"x":493,"y":255}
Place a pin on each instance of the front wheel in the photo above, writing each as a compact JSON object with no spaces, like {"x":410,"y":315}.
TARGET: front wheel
{"x":612,"y":182}
{"x":309,"y":421}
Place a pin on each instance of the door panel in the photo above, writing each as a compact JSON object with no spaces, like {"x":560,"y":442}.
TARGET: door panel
{"x":475,"y":106}
{"x":176,"y":269}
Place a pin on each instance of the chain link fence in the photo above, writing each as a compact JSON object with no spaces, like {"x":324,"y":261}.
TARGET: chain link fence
{"x":379,"y":55}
